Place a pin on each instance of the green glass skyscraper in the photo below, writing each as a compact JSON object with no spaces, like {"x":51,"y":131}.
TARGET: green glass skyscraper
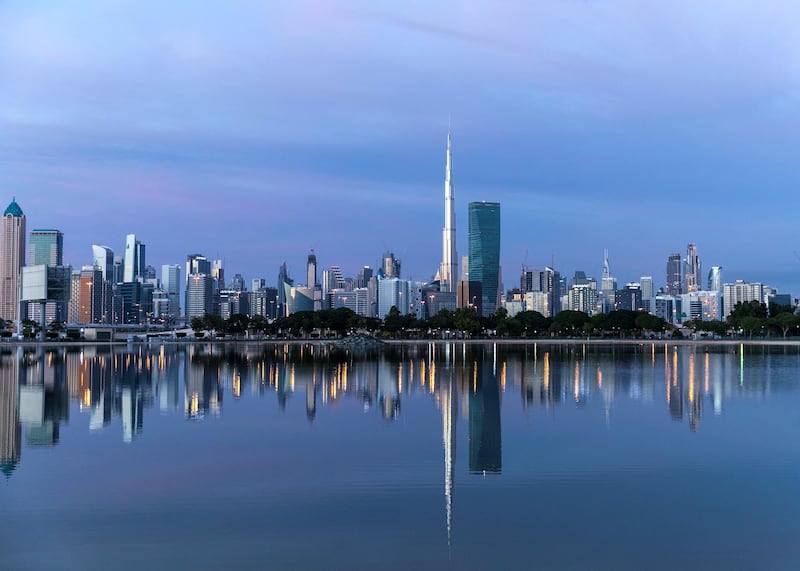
{"x":484,"y":252}
{"x":45,"y":247}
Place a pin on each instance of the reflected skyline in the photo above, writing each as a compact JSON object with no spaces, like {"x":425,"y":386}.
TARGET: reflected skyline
{"x":391,"y":419}
{"x":37,"y":385}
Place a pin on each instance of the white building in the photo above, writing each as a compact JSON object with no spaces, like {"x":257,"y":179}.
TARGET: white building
{"x":583,"y":298}
{"x":740,"y":292}
{"x":538,"y":301}
{"x":702,"y":305}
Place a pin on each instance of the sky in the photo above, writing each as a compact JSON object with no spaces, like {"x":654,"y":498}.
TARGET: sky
{"x":255,"y":131}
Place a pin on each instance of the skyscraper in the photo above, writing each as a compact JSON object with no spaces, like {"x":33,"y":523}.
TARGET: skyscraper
{"x":218,"y":274}
{"x":197,"y":264}
{"x":449,"y":267}
{"x":134,"y":259}
{"x":692,"y":277}
{"x":674,"y":274}
{"x":311,"y":270}
{"x":199,"y":295}
{"x":12,"y":258}
{"x":390,"y":265}
{"x":199,"y":284}
{"x":170,"y":282}
{"x":46,"y":247}
{"x":284,"y":283}
{"x":90,"y":295}
{"x":608,"y":286}
{"x":484,"y":252}
{"x":715,"y":279}
{"x":103,"y":258}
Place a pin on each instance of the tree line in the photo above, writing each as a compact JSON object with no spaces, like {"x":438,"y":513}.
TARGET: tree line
{"x":464,"y":322}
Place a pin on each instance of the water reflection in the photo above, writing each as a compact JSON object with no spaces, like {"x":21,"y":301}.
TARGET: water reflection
{"x":36,"y":385}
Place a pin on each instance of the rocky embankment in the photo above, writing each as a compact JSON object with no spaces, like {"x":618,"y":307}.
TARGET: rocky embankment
{"x":360,"y":343}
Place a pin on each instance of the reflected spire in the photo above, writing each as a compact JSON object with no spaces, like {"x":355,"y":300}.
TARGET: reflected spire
{"x":449,"y":412}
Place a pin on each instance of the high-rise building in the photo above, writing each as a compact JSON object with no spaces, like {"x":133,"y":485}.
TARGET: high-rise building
{"x":218,"y":274}
{"x":134,"y":259}
{"x":90,"y":295}
{"x":484,"y":252}
{"x":674,"y":274}
{"x":118,"y":271}
{"x":740,"y":292}
{"x":170,"y":283}
{"x":197,"y":264}
{"x":648,"y":293}
{"x":629,"y":297}
{"x":449,"y":267}
{"x":12,"y":258}
{"x":285,"y":284}
{"x":715,"y":279}
{"x":692,"y":277}
{"x":582,"y":297}
{"x":363,"y":277}
{"x":701,"y":305}
{"x":46,"y":247}
{"x":392,"y":292}
{"x":237,"y":283}
{"x":608,"y":286}
{"x":390,"y":265}
{"x":199,"y":295}
{"x":311,"y":270}
{"x":103,"y":258}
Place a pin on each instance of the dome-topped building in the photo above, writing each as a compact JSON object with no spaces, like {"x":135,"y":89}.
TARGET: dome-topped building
{"x":13,"y":209}
{"x":12,"y":258}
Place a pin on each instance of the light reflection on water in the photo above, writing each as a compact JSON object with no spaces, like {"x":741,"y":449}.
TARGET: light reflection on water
{"x":539,"y":413}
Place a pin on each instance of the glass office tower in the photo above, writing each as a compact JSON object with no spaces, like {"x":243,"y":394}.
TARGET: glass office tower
{"x":484,"y":252}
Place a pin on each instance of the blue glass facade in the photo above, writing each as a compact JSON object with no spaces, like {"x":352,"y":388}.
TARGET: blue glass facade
{"x":484,"y":251}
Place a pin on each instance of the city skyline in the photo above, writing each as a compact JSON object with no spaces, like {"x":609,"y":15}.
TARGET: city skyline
{"x":593,"y":131}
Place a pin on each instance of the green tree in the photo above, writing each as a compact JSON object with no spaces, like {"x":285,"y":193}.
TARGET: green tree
{"x":622,"y":321}
{"x":533,"y":323}
{"x":751,"y":325}
{"x":237,"y":324}
{"x":466,"y":320}
{"x":198,"y":324}
{"x":30,"y":328}
{"x":784,"y":322}
{"x":259,"y":324}
{"x":744,"y":310}
{"x":442,"y":320}
{"x":650,"y":322}
{"x":393,"y":322}
{"x":569,"y":322}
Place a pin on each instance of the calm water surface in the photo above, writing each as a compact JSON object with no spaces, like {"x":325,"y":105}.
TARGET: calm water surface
{"x":453,"y":457}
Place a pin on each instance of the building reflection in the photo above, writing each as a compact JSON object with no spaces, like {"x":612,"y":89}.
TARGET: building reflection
{"x":113,"y":386}
{"x":485,"y":446}
{"x":10,"y":431}
{"x":43,"y":397}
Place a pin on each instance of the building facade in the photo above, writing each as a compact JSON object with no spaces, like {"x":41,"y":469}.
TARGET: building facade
{"x":12,"y":258}
{"x":740,"y":292}
{"x":484,"y":252}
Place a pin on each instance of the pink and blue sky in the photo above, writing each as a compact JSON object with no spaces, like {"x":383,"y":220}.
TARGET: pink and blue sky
{"x":255,"y":131}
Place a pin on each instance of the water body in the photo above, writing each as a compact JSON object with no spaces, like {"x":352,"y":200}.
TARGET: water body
{"x":428,"y":457}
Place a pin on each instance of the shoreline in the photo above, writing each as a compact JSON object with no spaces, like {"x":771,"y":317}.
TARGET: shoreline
{"x":410,"y":342}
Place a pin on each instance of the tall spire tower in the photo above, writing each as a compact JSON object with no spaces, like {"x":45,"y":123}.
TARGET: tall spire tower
{"x":449,"y":267}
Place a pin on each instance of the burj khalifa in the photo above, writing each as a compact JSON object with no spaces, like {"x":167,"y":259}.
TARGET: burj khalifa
{"x":448,"y":269}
